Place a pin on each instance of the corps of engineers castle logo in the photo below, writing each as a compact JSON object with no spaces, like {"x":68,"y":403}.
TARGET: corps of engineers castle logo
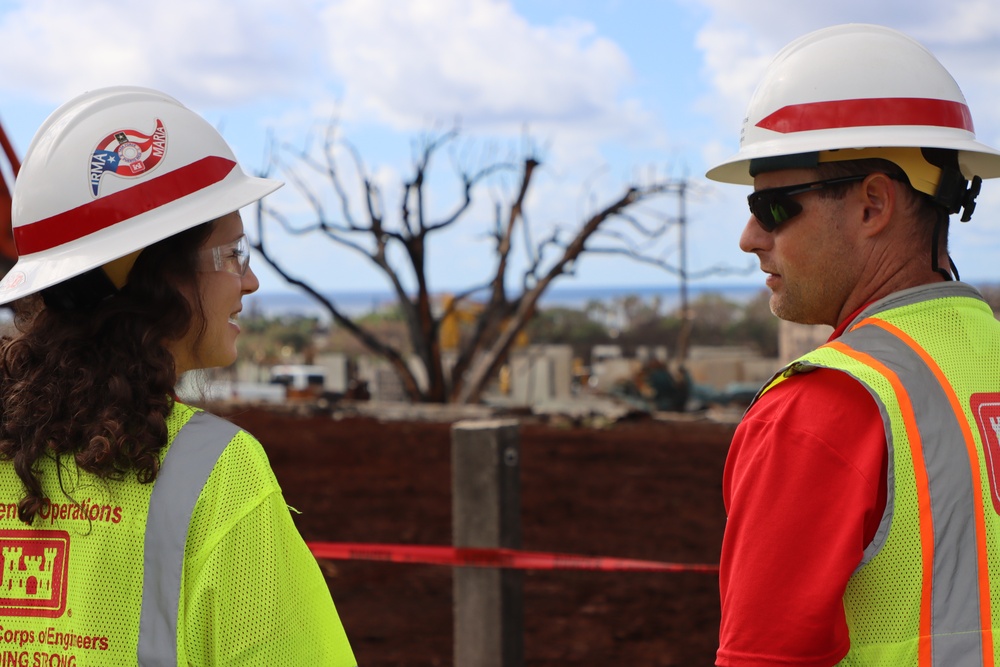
{"x":33,"y":573}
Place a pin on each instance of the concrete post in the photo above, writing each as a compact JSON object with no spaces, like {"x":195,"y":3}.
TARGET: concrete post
{"x":486,"y":512}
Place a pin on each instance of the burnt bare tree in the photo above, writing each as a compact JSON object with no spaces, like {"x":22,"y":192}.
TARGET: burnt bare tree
{"x":628,"y":224}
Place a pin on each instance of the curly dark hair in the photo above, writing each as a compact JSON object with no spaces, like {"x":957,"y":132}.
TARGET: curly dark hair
{"x":96,"y":381}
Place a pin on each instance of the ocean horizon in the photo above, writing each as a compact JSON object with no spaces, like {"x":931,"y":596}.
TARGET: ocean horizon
{"x":355,"y":303}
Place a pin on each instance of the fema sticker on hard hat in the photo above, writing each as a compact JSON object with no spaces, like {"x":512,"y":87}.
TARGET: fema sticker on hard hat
{"x":128,"y":154}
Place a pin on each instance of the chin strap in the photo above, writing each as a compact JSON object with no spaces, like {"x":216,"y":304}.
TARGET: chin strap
{"x":954,"y":195}
{"x":939,"y":226}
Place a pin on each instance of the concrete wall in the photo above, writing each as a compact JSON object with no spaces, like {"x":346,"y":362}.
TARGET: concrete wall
{"x":541,"y":373}
{"x":602,"y":352}
{"x":794,"y":340}
{"x":605,"y":374}
{"x":658,"y":352}
{"x":719,"y":367}
{"x":337,"y":369}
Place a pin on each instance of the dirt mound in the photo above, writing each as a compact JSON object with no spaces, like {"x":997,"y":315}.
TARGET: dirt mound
{"x":641,"y":489}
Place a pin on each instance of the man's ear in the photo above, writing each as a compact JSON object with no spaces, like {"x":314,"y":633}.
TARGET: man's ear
{"x":878,"y":202}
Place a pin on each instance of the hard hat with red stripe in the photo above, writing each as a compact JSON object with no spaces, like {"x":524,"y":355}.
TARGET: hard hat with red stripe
{"x":857,"y":91}
{"x":114,"y":171}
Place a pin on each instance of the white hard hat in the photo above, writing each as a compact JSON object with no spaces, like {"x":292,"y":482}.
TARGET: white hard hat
{"x":114,"y":171}
{"x":854,"y":86}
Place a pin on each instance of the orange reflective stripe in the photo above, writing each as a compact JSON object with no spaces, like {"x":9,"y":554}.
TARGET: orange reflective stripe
{"x":923,"y":491}
{"x":982,"y":557}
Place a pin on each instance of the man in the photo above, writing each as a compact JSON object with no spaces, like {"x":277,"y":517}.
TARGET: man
{"x":863,"y":507}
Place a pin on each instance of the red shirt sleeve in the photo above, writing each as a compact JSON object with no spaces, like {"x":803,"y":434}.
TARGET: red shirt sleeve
{"x":804,"y":488}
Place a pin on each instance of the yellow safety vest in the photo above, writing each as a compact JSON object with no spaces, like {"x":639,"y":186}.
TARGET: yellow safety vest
{"x":926,"y":591}
{"x":203,"y":567}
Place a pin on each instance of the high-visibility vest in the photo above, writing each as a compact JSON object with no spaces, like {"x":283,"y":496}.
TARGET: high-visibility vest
{"x":204,"y":566}
{"x":926,"y":591}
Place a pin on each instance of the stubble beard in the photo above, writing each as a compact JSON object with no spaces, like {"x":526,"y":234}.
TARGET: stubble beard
{"x":793,"y":304}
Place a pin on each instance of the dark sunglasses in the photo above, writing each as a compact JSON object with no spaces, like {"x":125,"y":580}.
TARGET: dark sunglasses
{"x":773,"y":206}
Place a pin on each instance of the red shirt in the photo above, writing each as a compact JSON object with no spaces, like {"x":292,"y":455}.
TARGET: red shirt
{"x":805,"y":489}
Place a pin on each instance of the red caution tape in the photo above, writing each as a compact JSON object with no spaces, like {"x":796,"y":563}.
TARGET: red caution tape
{"x":503,"y":558}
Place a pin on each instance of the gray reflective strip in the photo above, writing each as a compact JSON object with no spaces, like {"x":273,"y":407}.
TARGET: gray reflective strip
{"x":882,"y":532}
{"x":955,"y":579}
{"x":185,"y":469}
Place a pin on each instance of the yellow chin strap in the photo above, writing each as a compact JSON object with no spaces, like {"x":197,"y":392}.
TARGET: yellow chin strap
{"x":923,"y":175}
{"x":117,"y":270}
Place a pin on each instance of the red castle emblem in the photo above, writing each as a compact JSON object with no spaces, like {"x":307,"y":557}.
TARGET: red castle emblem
{"x":33,"y":573}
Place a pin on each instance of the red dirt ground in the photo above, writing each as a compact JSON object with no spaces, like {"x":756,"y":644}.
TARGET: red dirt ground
{"x":641,"y":489}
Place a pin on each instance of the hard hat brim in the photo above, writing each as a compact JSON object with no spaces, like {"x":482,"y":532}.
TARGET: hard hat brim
{"x":974,"y":158}
{"x":35,"y":272}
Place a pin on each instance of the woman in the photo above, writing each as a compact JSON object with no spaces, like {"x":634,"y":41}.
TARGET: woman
{"x":135,"y":529}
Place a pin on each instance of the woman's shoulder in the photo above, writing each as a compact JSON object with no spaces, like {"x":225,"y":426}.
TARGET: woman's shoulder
{"x":240,"y":453}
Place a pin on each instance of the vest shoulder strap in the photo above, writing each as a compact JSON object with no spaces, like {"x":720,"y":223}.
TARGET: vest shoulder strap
{"x":185,"y":469}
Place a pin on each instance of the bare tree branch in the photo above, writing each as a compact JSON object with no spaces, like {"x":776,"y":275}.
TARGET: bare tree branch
{"x":490,"y":363}
{"x":398,"y":247}
{"x":369,"y":340}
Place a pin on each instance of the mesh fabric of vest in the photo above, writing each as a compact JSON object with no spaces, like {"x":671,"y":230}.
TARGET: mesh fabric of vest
{"x":882,"y":600}
{"x":251,"y":594}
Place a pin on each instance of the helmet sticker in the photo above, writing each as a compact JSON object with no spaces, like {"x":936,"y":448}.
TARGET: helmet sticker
{"x":128,"y":154}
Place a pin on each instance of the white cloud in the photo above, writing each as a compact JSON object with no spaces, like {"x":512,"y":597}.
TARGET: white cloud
{"x":407,"y":66}
{"x":204,"y":52}
{"x":960,"y":23}
{"x":412,"y":64}
{"x":388,"y":69}
{"x":740,"y":38}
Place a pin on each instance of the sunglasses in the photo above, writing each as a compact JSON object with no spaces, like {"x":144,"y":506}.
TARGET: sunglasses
{"x":773,"y":206}
{"x":233,"y":257}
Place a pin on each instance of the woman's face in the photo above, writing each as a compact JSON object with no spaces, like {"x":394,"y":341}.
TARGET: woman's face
{"x":210,"y":342}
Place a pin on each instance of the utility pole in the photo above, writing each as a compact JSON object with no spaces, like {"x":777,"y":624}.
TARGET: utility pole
{"x":686,"y":321}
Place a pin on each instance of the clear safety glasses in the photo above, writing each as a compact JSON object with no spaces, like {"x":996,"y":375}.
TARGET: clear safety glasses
{"x":233,"y":257}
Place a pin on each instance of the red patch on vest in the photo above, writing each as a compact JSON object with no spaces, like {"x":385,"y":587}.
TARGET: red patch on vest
{"x":986,"y":409}
{"x":34,"y":571}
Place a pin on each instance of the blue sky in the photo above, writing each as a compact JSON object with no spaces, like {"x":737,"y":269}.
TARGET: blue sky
{"x":611,"y":89}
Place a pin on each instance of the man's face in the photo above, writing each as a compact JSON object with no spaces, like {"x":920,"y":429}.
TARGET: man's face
{"x":809,"y":260}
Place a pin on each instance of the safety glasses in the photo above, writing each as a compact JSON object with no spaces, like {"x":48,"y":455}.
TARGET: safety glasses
{"x":773,"y":206}
{"x":233,"y":257}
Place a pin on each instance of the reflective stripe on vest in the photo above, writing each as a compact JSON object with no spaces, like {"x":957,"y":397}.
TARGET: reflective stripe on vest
{"x":185,"y":469}
{"x":952,"y":544}
{"x":931,"y":434}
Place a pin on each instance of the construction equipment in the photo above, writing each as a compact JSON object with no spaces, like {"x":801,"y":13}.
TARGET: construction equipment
{"x":461,"y":316}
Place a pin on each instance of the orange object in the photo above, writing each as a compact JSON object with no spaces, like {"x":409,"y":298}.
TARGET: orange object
{"x":7,"y":248}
